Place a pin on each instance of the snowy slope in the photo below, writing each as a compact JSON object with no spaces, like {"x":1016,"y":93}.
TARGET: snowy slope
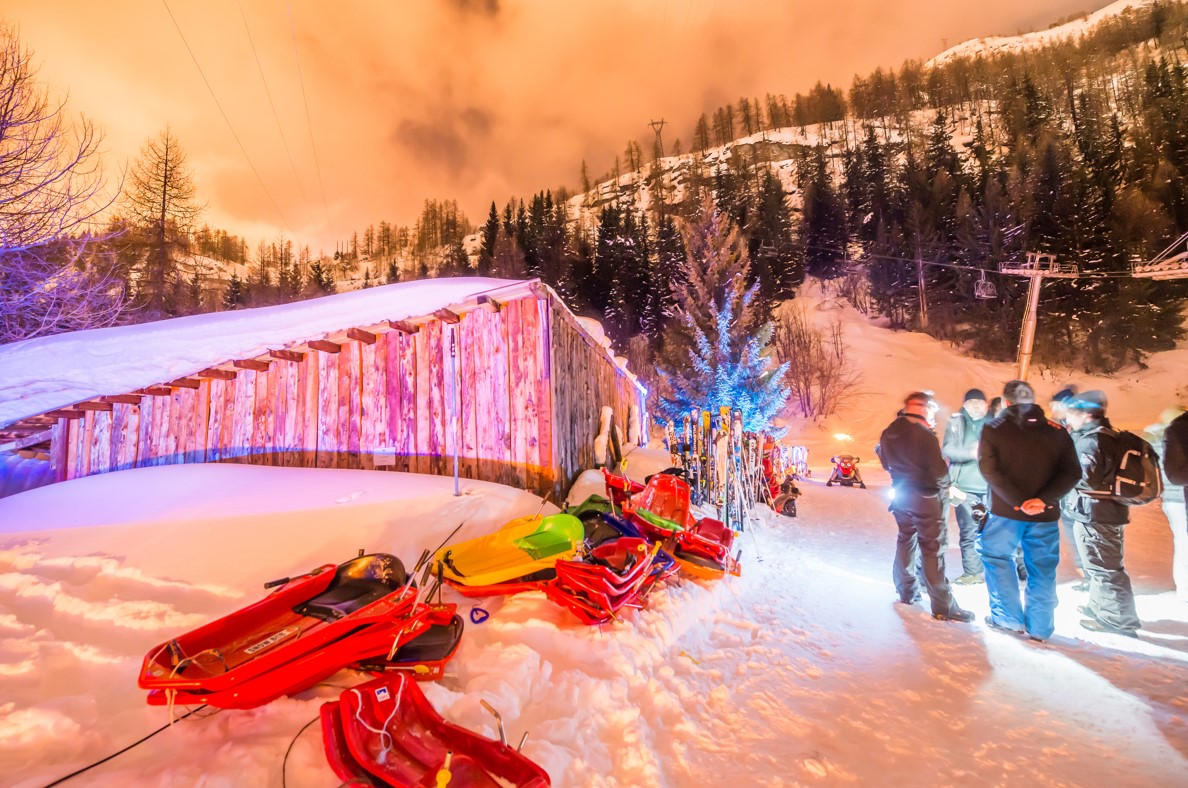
{"x":801,"y":672}
{"x":894,"y":363}
{"x":994,"y":45}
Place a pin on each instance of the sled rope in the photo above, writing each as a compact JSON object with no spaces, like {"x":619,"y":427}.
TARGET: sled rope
{"x":73,"y":774}
{"x":386,"y":740}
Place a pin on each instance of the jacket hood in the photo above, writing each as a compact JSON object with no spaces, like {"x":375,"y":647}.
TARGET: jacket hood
{"x":1028,"y":416}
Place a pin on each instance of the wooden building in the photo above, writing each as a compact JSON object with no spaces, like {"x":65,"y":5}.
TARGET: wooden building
{"x":507,"y":378}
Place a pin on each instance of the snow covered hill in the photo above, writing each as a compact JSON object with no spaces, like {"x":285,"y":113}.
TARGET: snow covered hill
{"x":1076,"y":28}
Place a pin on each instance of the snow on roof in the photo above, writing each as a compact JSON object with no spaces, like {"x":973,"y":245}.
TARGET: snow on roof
{"x":1040,"y":38}
{"x":42,"y":374}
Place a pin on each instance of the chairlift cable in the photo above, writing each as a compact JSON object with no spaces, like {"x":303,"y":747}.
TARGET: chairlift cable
{"x":271,"y":103}
{"x":308,"y":121}
{"x":231,"y":128}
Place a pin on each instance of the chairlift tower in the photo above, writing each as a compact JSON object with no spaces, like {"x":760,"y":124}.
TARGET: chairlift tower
{"x":1037,"y":267}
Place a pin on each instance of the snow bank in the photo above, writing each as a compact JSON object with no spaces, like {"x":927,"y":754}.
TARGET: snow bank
{"x":51,"y":372}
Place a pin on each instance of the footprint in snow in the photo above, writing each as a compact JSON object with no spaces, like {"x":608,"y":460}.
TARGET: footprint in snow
{"x":814,"y":767}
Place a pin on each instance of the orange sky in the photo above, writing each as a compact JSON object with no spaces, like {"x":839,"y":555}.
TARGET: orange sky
{"x":470,"y":99}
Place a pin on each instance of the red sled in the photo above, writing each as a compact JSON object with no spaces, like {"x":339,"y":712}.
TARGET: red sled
{"x":612,"y":576}
{"x":619,"y":488}
{"x":363,"y":613}
{"x":386,"y":733}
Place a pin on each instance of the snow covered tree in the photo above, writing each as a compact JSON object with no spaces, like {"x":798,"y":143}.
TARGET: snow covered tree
{"x":716,"y":347}
{"x":234,"y":298}
{"x":54,"y":275}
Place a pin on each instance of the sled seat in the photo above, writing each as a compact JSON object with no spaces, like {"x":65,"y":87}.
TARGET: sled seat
{"x":556,"y":533}
{"x":356,"y":585}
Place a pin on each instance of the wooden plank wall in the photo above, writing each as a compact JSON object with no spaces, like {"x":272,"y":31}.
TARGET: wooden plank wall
{"x":368,"y":402}
{"x":584,"y":381}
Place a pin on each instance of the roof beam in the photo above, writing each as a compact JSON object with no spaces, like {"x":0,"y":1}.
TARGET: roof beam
{"x":324,"y":345}
{"x":287,"y":355}
{"x":253,"y":364}
{"x":217,"y":374}
{"x":403,"y":326}
{"x":447,"y":316}
{"x":122,"y":399}
{"x":359,"y":335}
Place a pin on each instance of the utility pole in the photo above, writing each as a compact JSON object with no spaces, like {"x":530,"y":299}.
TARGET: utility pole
{"x":1037,"y":268}
{"x":657,"y":166}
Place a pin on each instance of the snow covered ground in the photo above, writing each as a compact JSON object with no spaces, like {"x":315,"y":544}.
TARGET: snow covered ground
{"x":802,"y":671}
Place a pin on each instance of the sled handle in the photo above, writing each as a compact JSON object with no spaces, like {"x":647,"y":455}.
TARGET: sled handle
{"x":498,"y":719}
{"x":278,"y":582}
{"x":523,"y":739}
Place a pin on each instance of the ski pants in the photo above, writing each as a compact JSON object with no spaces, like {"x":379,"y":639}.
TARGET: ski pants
{"x":1041,"y":553}
{"x":967,"y":529}
{"x":1066,"y":523}
{"x":1111,"y":599}
{"x":921,"y":539}
{"x":1177,"y":518}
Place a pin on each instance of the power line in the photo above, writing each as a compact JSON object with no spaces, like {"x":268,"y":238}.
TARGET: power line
{"x":268,"y":93}
{"x":223,"y":112}
{"x":308,"y":121}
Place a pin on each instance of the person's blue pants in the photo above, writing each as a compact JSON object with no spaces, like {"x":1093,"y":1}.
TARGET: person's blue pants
{"x":1041,"y":553}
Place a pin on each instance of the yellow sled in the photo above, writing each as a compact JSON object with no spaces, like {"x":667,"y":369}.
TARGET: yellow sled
{"x":523,"y":547}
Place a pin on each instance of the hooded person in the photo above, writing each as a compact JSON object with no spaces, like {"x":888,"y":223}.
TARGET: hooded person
{"x":960,"y":448}
{"x":908,"y":448}
{"x":1058,"y":411}
{"x":1099,"y":522}
{"x":1029,"y":463}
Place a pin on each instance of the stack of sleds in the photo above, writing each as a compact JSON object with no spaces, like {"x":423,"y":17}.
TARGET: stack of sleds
{"x":363,"y":613}
{"x":662,"y":510}
{"x":593,"y":566}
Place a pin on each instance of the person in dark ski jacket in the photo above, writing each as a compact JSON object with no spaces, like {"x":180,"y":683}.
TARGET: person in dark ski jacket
{"x":1098,"y":522}
{"x":1030,"y":464}
{"x":1175,"y":472}
{"x":909,"y":450}
{"x":960,"y":448}
{"x":1058,"y":412}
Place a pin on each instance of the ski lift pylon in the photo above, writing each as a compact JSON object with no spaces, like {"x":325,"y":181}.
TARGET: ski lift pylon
{"x":984,"y":288}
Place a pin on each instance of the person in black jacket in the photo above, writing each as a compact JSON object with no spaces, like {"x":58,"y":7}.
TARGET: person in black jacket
{"x":1099,"y":522}
{"x":1175,"y":477}
{"x":909,"y":450}
{"x":1030,"y":464}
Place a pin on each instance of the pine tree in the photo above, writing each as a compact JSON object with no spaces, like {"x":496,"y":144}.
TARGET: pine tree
{"x":367,"y":278}
{"x":234,"y":297}
{"x":490,"y":235}
{"x":716,"y":348}
{"x":823,"y":229}
{"x":159,"y":199}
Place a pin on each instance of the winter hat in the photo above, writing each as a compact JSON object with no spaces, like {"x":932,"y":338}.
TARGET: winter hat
{"x":1094,"y":400}
{"x":1067,"y":393}
{"x":974,"y":394}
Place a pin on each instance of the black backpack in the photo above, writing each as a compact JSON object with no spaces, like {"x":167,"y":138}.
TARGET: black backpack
{"x":1136,"y":479}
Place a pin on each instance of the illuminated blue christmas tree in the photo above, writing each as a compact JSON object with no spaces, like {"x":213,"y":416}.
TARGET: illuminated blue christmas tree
{"x":722,"y":357}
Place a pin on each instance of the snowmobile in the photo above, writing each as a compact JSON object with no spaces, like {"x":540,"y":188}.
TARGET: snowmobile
{"x":845,"y":472}
{"x":385,"y":732}
{"x":362,"y":613}
{"x":784,"y":498}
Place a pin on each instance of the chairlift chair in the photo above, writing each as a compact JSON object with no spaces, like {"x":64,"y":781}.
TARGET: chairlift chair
{"x":984,"y":288}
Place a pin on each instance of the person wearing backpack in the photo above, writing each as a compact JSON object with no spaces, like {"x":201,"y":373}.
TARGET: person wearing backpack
{"x":1175,"y":469}
{"x":1099,"y":519}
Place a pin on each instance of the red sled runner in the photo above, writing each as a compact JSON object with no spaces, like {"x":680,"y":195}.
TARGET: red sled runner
{"x":386,"y":733}
{"x":363,"y":613}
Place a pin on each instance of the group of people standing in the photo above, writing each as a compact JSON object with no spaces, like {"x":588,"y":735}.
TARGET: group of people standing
{"x":1011,"y":477}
